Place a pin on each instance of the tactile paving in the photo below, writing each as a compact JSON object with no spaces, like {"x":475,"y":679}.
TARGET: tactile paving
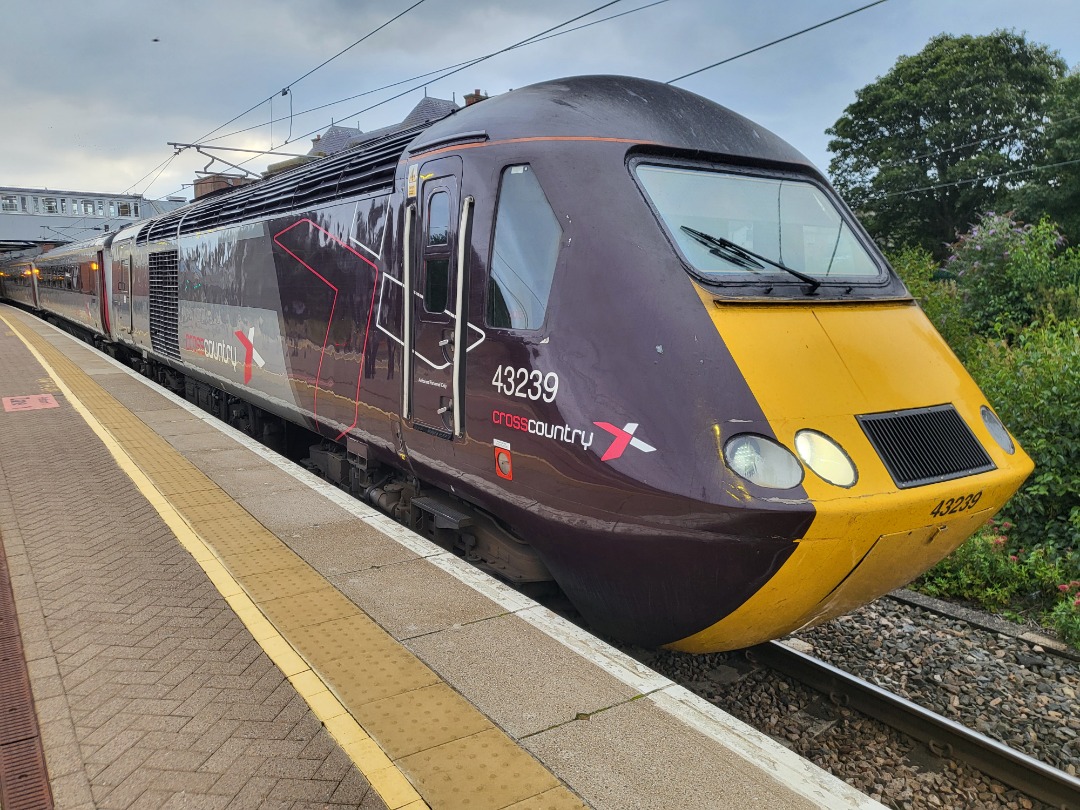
{"x":486,"y":771}
{"x":410,"y":722}
{"x":448,"y":749}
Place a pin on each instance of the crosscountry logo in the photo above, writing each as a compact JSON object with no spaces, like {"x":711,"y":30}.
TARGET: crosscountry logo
{"x":250,"y":353}
{"x":623,"y":436}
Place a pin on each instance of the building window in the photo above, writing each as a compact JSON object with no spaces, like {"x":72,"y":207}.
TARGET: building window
{"x":100,"y":208}
{"x":124,"y":208}
{"x":112,"y":208}
{"x":135,"y":209}
{"x":87,"y":207}
{"x":49,"y":205}
{"x":9,"y":203}
{"x":37,"y":205}
{"x":24,"y":204}
{"x":63,"y":205}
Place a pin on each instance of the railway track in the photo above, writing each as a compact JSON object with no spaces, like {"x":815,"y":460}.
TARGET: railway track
{"x":944,"y":737}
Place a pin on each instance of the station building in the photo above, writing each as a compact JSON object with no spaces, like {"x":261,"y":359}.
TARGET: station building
{"x":37,"y":217}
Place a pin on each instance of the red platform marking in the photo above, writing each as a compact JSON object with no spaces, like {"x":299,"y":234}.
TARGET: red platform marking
{"x":33,"y":402}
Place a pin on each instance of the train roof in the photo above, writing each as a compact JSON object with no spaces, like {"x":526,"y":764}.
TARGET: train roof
{"x":622,"y":107}
{"x":618,"y":107}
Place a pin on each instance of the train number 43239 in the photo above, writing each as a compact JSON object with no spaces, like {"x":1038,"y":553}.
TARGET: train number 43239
{"x":952,"y":506}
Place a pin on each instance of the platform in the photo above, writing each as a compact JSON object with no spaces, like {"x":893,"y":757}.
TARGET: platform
{"x":207,"y":625}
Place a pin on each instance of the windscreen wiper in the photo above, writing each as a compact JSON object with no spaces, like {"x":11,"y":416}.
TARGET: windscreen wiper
{"x":741,"y":257}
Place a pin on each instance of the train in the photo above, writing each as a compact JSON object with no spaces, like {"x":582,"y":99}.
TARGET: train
{"x":599,"y":331}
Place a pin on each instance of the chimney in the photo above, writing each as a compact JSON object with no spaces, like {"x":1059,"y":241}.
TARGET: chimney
{"x":474,"y":97}
{"x":208,"y":184}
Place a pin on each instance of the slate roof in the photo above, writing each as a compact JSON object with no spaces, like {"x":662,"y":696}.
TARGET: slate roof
{"x":337,"y":138}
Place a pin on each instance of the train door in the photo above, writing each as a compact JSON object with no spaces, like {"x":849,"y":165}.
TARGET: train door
{"x":122,"y":281}
{"x":435,"y":315}
{"x":101,"y":291}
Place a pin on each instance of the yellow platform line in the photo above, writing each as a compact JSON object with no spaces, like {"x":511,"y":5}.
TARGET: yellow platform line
{"x":387,"y":780}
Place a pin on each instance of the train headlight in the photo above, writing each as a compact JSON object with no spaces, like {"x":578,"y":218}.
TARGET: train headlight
{"x":997,"y":430}
{"x":762,"y":461}
{"x":825,"y":457}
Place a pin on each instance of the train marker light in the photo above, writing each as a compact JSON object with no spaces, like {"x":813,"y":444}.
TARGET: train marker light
{"x":762,"y":461}
{"x":997,"y":430}
{"x":826,"y":458}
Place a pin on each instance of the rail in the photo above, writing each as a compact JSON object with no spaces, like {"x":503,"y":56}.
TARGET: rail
{"x":943,"y":736}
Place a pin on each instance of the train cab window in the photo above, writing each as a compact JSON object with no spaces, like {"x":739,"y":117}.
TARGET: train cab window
{"x":729,"y":225}
{"x":525,"y":252}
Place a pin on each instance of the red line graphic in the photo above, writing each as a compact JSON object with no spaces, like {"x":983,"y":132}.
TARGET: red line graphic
{"x":326,"y":337}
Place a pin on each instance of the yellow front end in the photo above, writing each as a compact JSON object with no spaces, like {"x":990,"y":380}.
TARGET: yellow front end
{"x":818,"y":366}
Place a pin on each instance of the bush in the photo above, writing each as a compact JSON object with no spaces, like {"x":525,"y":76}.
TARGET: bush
{"x":992,"y":573}
{"x":1034,"y":384}
{"x":1012,"y":275}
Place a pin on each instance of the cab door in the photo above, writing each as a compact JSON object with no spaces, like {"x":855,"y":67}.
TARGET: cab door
{"x":435,"y":299}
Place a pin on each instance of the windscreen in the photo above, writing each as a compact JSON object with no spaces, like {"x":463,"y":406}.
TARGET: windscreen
{"x":730,"y":225}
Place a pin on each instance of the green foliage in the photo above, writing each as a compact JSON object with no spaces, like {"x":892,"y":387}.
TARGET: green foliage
{"x":962,"y":108}
{"x":1012,"y":275}
{"x":1055,"y":191}
{"x":1034,"y":384}
{"x":992,"y":573}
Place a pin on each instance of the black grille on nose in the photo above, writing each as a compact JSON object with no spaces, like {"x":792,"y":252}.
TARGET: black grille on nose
{"x":925,"y":445}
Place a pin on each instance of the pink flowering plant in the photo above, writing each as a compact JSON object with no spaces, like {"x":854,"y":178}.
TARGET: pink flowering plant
{"x":993,"y":573}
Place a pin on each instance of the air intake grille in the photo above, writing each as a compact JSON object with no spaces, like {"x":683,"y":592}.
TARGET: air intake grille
{"x":164,"y":282}
{"x":925,"y":445}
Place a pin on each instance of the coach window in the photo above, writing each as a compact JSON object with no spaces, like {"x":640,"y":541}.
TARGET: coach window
{"x":436,"y":254}
{"x":526,"y":249}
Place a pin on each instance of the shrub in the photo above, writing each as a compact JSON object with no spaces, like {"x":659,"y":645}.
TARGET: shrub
{"x":990,"y":571}
{"x":1012,"y":275}
{"x":1034,"y":384}
{"x":938,"y":295}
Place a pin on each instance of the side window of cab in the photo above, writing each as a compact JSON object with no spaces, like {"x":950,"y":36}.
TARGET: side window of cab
{"x":524,"y":252}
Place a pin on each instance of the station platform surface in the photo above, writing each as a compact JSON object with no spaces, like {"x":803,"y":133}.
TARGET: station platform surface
{"x":204,"y":624}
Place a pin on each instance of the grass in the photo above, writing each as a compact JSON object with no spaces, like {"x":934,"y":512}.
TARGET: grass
{"x":1014,"y":582}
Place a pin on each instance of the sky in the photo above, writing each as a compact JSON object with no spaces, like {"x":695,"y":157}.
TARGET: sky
{"x":92,"y":92}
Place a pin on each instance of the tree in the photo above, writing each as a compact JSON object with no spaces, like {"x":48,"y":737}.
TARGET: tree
{"x":923,"y":150}
{"x":1054,"y":191}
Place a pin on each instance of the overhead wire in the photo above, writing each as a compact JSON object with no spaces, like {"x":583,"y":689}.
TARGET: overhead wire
{"x":974,"y":180}
{"x":317,"y":67}
{"x":466,"y":63}
{"x":463,"y":65}
{"x":990,"y":139}
{"x":775,"y":42}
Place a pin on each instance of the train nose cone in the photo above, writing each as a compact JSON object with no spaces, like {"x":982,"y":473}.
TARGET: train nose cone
{"x":822,"y":368}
